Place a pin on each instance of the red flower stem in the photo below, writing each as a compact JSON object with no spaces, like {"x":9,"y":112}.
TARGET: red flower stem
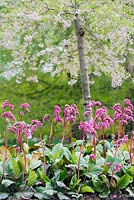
{"x":119,"y":132}
{"x":63,"y":135}
{"x":80,"y":155}
{"x":130,"y":150}
{"x":70,"y":133}
{"x":114,"y":130}
{"x":94,"y":144}
{"x":43,"y":151}
{"x":25,"y":162}
{"x":6,"y":146}
{"x":51,"y":132}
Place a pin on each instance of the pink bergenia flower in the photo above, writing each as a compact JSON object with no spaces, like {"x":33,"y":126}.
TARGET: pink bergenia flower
{"x":118,"y":167}
{"x":20,"y":129}
{"x":21,"y":113}
{"x":7,"y":104}
{"x":70,"y":113}
{"x":25,"y":106}
{"x":102,"y":119}
{"x":8,"y":115}
{"x":56,"y":115}
{"x":128,"y":103}
{"x":86,"y":113}
{"x":37,"y":123}
{"x":125,"y":113}
{"x":88,"y":127}
{"x":121,"y":141}
{"x":92,"y":156}
{"x":46,"y":116}
{"x":94,"y":103}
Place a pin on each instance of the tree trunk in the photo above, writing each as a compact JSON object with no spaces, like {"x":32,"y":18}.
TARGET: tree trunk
{"x":83,"y":68}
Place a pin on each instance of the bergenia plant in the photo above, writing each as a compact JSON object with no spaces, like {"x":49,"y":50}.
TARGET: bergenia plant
{"x":70,"y":114}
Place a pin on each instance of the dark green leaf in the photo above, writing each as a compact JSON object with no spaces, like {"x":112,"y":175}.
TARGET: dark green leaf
{"x":43,"y":176}
{"x":7,"y":182}
{"x":24,"y":195}
{"x":124,"y":181}
{"x":61,"y":196}
{"x":62,"y":185}
{"x":3,"y":195}
{"x":98,"y":184}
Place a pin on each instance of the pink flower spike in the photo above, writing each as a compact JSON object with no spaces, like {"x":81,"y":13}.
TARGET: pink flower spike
{"x":92,"y":156}
{"x":11,"y":106}
{"x":25,"y":106}
{"x":118,"y":167}
{"x":37,"y":123}
{"x":5,"y":104}
{"x":8,"y":115}
{"x":21,"y":113}
{"x":46,"y":116}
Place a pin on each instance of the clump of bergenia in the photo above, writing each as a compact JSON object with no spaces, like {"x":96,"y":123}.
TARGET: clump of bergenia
{"x":70,"y":114}
{"x":123,"y":114}
{"x":6,"y":104}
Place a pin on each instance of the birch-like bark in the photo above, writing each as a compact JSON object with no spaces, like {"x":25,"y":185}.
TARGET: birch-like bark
{"x":83,"y":68}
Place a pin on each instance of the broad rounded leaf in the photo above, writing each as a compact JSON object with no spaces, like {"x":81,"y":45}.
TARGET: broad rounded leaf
{"x":61,"y":196}
{"x":32,"y":178}
{"x":124,"y":181}
{"x":3,"y":195}
{"x":67,"y":154}
{"x":24,"y":195}
{"x":57,"y":151}
{"x":86,"y":188}
{"x":36,"y":164}
{"x":7,"y":182}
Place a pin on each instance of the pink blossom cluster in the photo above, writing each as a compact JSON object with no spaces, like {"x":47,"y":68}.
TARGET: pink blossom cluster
{"x":87,"y":127}
{"x":9,"y":115}
{"x":25,"y":106}
{"x":20,"y":129}
{"x":121,"y":141}
{"x":7,"y":104}
{"x":56,"y":114}
{"x":92,"y":156}
{"x":37,"y":123}
{"x":46,"y":116}
{"x":125,"y":113}
{"x":94,"y":103}
{"x":118,"y":167}
{"x":70,"y":113}
{"x":102,"y":119}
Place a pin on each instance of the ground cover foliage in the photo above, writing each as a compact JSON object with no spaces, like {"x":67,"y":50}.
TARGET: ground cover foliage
{"x":36,"y":168}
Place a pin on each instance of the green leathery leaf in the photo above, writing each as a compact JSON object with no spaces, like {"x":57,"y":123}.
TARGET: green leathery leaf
{"x":15,"y":167}
{"x":86,"y":189}
{"x":3,"y":195}
{"x":32,"y":178}
{"x":124,"y":181}
{"x":36,"y":164}
{"x":43,"y":176}
{"x":61,"y":196}
{"x":57,"y":151}
{"x":67,"y":154}
{"x":7,"y":182}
